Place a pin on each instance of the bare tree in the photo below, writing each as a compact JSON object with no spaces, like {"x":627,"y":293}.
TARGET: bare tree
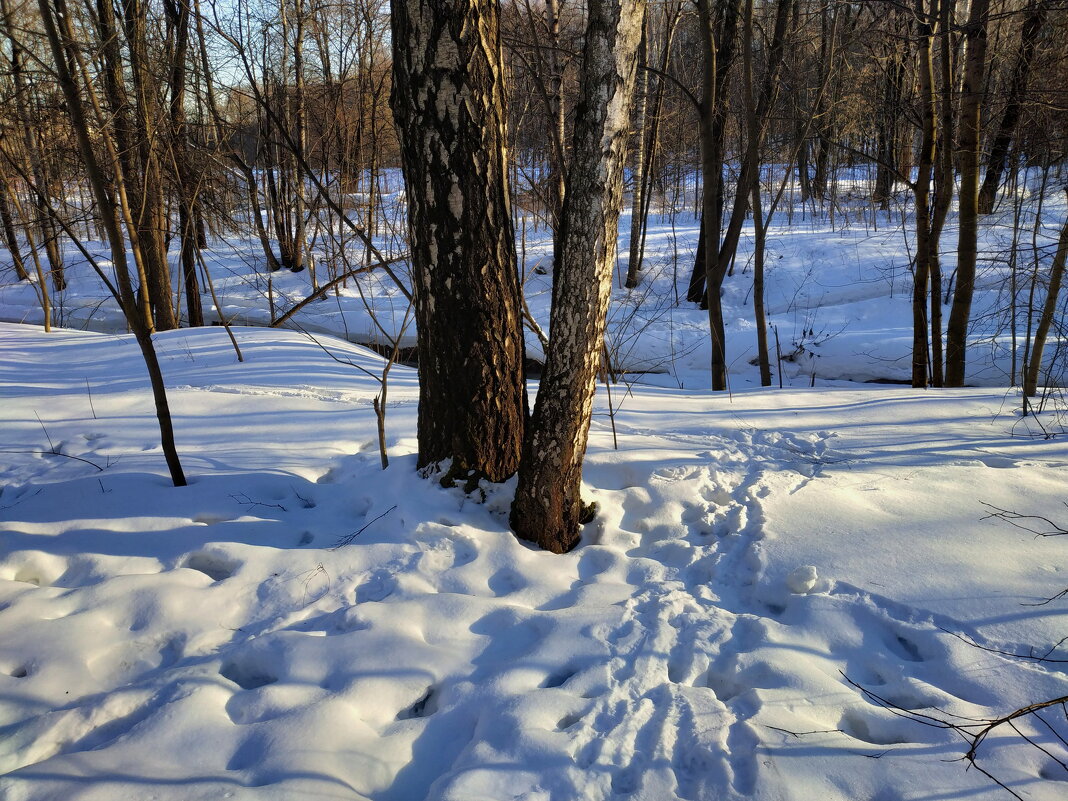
{"x":70,"y":72}
{"x":548,"y":508}
{"x":968,"y":159}
{"x":1049,"y":309}
{"x":1034,"y":19}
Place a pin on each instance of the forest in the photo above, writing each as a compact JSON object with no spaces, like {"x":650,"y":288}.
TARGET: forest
{"x":538,"y":399}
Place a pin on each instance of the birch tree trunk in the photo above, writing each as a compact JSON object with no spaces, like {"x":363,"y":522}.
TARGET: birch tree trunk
{"x":548,"y":508}
{"x":448,"y":105}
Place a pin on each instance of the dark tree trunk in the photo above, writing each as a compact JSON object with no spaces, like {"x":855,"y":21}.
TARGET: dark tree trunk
{"x":999,"y":150}
{"x":548,"y":509}
{"x":719,"y":45}
{"x":968,"y":158}
{"x":46,"y":228}
{"x":178,"y":18}
{"x":448,"y":103}
{"x":63,"y":48}
{"x":716,"y":268}
{"x":148,"y":203}
{"x":922,"y":192}
{"x":1049,"y":310}
{"x":638,"y":170}
{"x":10,"y":237}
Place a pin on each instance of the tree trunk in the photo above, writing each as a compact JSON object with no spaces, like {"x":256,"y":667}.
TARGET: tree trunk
{"x":150,"y":214}
{"x":999,"y":150}
{"x":943,"y":186}
{"x":638,"y":171}
{"x":752,"y":124}
{"x":448,"y":104}
{"x":968,"y":158}
{"x":548,"y":508}
{"x":719,"y":45}
{"x":178,"y":18}
{"x":716,"y":269}
{"x":64,"y":52}
{"x":1049,"y":309}
{"x":10,"y":237}
{"x":922,"y":193}
{"x":46,"y":228}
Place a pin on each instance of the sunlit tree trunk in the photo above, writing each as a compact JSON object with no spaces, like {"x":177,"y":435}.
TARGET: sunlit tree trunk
{"x":926,"y":14}
{"x":999,"y":150}
{"x":448,"y":103}
{"x":548,"y":509}
{"x":638,"y":169}
{"x":148,"y":199}
{"x":178,"y":19}
{"x":58,"y":30}
{"x":968,"y":159}
{"x":1049,"y":311}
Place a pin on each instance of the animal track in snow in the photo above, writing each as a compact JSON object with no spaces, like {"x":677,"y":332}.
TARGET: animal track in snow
{"x":874,"y":729}
{"x":213,"y":565}
{"x":425,"y":706}
{"x":247,"y":673}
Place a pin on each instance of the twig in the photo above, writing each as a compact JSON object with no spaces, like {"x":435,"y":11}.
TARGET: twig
{"x":347,"y":540}
{"x":975,"y":732}
{"x":800,"y":734}
{"x":251,"y":504}
{"x":1031,"y":657}
{"x":39,"y":420}
{"x":1012,"y":517}
{"x":57,"y":453}
{"x":87,"y":389}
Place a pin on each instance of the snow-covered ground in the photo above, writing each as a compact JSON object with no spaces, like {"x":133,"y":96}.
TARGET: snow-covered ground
{"x":300,"y":624}
{"x":839,"y":292}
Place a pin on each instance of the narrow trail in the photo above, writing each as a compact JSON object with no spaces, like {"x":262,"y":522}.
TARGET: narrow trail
{"x":673,"y":721}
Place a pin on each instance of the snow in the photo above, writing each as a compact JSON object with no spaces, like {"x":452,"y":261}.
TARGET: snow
{"x":299,"y":623}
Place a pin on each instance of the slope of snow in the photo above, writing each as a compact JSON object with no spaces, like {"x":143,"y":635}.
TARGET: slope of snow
{"x":838,"y":292}
{"x":753,"y":555}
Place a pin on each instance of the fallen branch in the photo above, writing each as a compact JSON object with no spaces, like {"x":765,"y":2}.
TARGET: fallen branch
{"x":321,"y":291}
{"x":57,"y":453}
{"x":1014,"y":518}
{"x":347,"y":540}
{"x":975,"y":731}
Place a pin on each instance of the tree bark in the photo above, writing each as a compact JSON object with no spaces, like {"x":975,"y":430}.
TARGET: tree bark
{"x":719,"y":43}
{"x":47,"y":230}
{"x":999,"y":150}
{"x":927,"y":14}
{"x":968,"y":159}
{"x":638,"y":171}
{"x":150,"y":213}
{"x":10,"y":237}
{"x":448,"y":104}
{"x":178,"y":18}
{"x":63,"y":48}
{"x":548,"y":509}
{"x":716,"y":269}
{"x":1049,"y":310}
